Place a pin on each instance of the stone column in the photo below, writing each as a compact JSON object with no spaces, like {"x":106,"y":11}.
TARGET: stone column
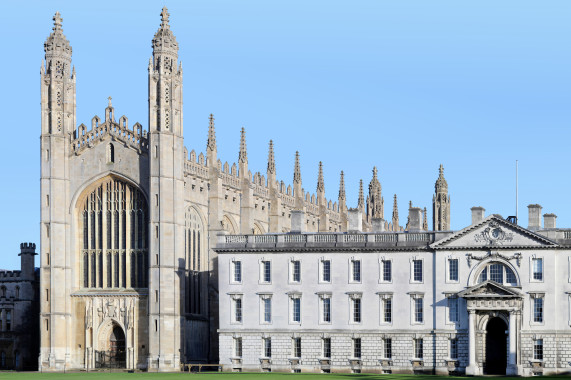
{"x":472,"y":367}
{"x":512,"y":367}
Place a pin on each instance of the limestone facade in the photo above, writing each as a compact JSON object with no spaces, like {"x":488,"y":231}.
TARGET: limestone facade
{"x":493,"y":298}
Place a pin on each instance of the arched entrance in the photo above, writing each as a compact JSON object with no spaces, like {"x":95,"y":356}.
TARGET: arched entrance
{"x":496,"y":347}
{"x":113,"y":353}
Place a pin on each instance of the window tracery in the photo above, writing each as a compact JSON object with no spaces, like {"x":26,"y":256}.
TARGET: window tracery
{"x":113,"y":211}
{"x":194,"y":248}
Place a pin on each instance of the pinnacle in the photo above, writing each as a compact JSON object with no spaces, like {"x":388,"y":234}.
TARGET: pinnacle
{"x":297,"y":170}
{"x":342,"y":186}
{"x":320,"y":181}
{"x":361,"y":200}
{"x":165,"y":18}
{"x":211,"y":142}
{"x":57,"y":22}
{"x":243,"y":155}
{"x":271,"y":159}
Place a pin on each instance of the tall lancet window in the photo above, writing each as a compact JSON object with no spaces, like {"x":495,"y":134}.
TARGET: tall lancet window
{"x":195,"y":263}
{"x":114,"y":230}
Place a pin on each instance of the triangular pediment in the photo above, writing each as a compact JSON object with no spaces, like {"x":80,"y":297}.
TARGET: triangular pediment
{"x":492,"y":233}
{"x":489,"y":289}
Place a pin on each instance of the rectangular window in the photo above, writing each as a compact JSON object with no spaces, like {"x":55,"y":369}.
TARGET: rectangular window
{"x":418,"y":352}
{"x":237,"y":271}
{"x":238,"y":347}
{"x":538,"y":309}
{"x":8,"y":320}
{"x":387,"y":271}
{"x":388,"y":310}
{"x":453,"y":309}
{"x":388,"y":348}
{"x":357,"y":348}
{"x":452,"y":269}
{"x":356,"y":310}
{"x":268,"y":347}
{"x":267,"y":271}
{"x":326,"y":271}
{"x":296,"y":347}
{"x":453,"y":348}
{"x":418,"y":310}
{"x":267,"y":310}
{"x":497,"y":273}
{"x":296,"y":309}
{"x":356,"y":270}
{"x":327,"y":348}
{"x":538,"y":269}
{"x":238,"y":310}
{"x":295,"y":271}
{"x":417,"y":268}
{"x":326,"y":304}
{"x":538,"y":349}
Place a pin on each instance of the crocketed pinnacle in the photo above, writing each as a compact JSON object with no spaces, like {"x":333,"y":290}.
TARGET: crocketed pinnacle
{"x":320,"y":181}
{"x":375,"y":207}
{"x":395,"y":209}
{"x":296,"y":170}
{"x":271,"y":159}
{"x":342,"y":187}
{"x":243,"y":155}
{"x":211,"y":142}
{"x":164,"y":41}
{"x":425,"y":221}
{"x":361,"y":200}
{"x":441,"y":186}
{"x":56,"y":44}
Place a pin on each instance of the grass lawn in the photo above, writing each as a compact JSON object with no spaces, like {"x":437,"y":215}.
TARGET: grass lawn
{"x":226,"y":376}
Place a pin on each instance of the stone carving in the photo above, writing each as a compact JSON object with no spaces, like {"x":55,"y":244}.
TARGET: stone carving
{"x":494,"y":255}
{"x":494,"y":234}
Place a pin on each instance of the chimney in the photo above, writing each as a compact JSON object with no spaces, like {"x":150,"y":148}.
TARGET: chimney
{"x":534,"y":217}
{"x":549,"y":220}
{"x":478,"y":214}
{"x":378,"y":224}
{"x":414,"y":219}
{"x":355,"y":217}
{"x":297,"y":221}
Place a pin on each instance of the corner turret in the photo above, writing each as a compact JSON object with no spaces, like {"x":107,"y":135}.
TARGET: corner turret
{"x":27,"y":266}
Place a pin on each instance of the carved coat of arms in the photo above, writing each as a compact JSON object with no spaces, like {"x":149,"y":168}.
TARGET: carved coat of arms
{"x":494,"y":234}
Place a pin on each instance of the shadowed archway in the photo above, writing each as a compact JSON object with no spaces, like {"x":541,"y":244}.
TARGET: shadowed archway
{"x":496,"y":347}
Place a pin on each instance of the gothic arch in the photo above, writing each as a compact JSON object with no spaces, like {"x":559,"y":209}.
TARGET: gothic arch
{"x":257,"y":229}
{"x":196,"y":259}
{"x":112,"y":235}
{"x":229,"y":224}
{"x":476,"y":269}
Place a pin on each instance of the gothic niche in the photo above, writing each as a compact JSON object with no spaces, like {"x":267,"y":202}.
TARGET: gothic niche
{"x":113,"y":236}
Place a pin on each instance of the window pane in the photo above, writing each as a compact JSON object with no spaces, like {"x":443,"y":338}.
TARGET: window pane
{"x":497,"y":273}
{"x":356,"y":270}
{"x":453,"y":309}
{"x":237,"y":271}
{"x":296,"y":269}
{"x":417,"y":270}
{"x":538,"y":269}
{"x":326,"y":271}
{"x":326,"y":310}
{"x":538,"y":309}
{"x":387,"y":272}
{"x":388,"y":348}
{"x":510,"y":276}
{"x":357,"y":310}
{"x":268,"y":310}
{"x":296,"y":309}
{"x":357,"y":347}
{"x":453,"y":269}
{"x":388,"y":310}
{"x":327,"y":347}
{"x":483,"y":275}
{"x":418,"y":310}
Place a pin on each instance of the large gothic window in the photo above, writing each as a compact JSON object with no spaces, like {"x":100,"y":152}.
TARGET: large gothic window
{"x":194,"y":248}
{"x":114,"y":222}
{"x":497,"y":272}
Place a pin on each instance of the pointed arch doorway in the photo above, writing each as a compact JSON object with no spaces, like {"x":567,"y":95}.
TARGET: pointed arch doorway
{"x":113,"y":353}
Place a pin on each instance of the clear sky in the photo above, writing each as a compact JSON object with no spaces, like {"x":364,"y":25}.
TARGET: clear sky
{"x":403,"y":85}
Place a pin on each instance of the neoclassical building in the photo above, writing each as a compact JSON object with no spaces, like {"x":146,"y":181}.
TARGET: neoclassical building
{"x":130,"y":217}
{"x":493,"y":298}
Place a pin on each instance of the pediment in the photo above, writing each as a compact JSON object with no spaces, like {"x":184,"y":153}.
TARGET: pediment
{"x":494,"y":232}
{"x":489,"y":289}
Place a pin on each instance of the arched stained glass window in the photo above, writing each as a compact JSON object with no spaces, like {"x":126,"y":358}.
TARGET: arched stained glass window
{"x":113,"y":232}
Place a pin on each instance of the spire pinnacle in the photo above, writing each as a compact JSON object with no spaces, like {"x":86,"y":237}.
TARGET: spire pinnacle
{"x":395,"y":214}
{"x":211,"y":142}
{"x":425,"y":221}
{"x":271,"y":160}
{"x":320,"y":181}
{"x":375,"y":173}
{"x":109,"y":105}
{"x":361,"y":200}
{"x":57,"y":22}
{"x":296,"y":170}
{"x":243,"y":155}
{"x":342,"y":186}
{"x":165,"y":18}
{"x":441,"y":186}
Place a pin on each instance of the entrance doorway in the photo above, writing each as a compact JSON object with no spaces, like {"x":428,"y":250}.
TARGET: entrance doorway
{"x":496,"y":347}
{"x":114,"y":357}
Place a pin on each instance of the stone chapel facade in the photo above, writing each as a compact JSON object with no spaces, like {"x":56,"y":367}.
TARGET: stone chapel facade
{"x":130,"y":217}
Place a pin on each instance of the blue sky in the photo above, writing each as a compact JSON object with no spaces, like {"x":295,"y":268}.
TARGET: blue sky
{"x":403,"y":85}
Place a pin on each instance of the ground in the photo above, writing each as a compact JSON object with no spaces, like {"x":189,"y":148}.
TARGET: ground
{"x":224,"y":376}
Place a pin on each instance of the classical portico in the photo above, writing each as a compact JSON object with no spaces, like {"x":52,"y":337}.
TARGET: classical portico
{"x":490,"y":303}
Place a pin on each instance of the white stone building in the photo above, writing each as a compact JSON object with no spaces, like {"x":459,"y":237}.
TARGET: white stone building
{"x":491,"y":298}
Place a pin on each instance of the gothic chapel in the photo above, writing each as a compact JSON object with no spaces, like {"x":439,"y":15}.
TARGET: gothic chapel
{"x":130,"y":218}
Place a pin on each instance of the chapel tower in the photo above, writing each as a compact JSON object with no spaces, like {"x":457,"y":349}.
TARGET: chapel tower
{"x":166,"y":192}
{"x":57,"y":79}
{"x":441,"y":204}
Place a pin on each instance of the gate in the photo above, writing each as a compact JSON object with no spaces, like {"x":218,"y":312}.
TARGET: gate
{"x":110,"y":359}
